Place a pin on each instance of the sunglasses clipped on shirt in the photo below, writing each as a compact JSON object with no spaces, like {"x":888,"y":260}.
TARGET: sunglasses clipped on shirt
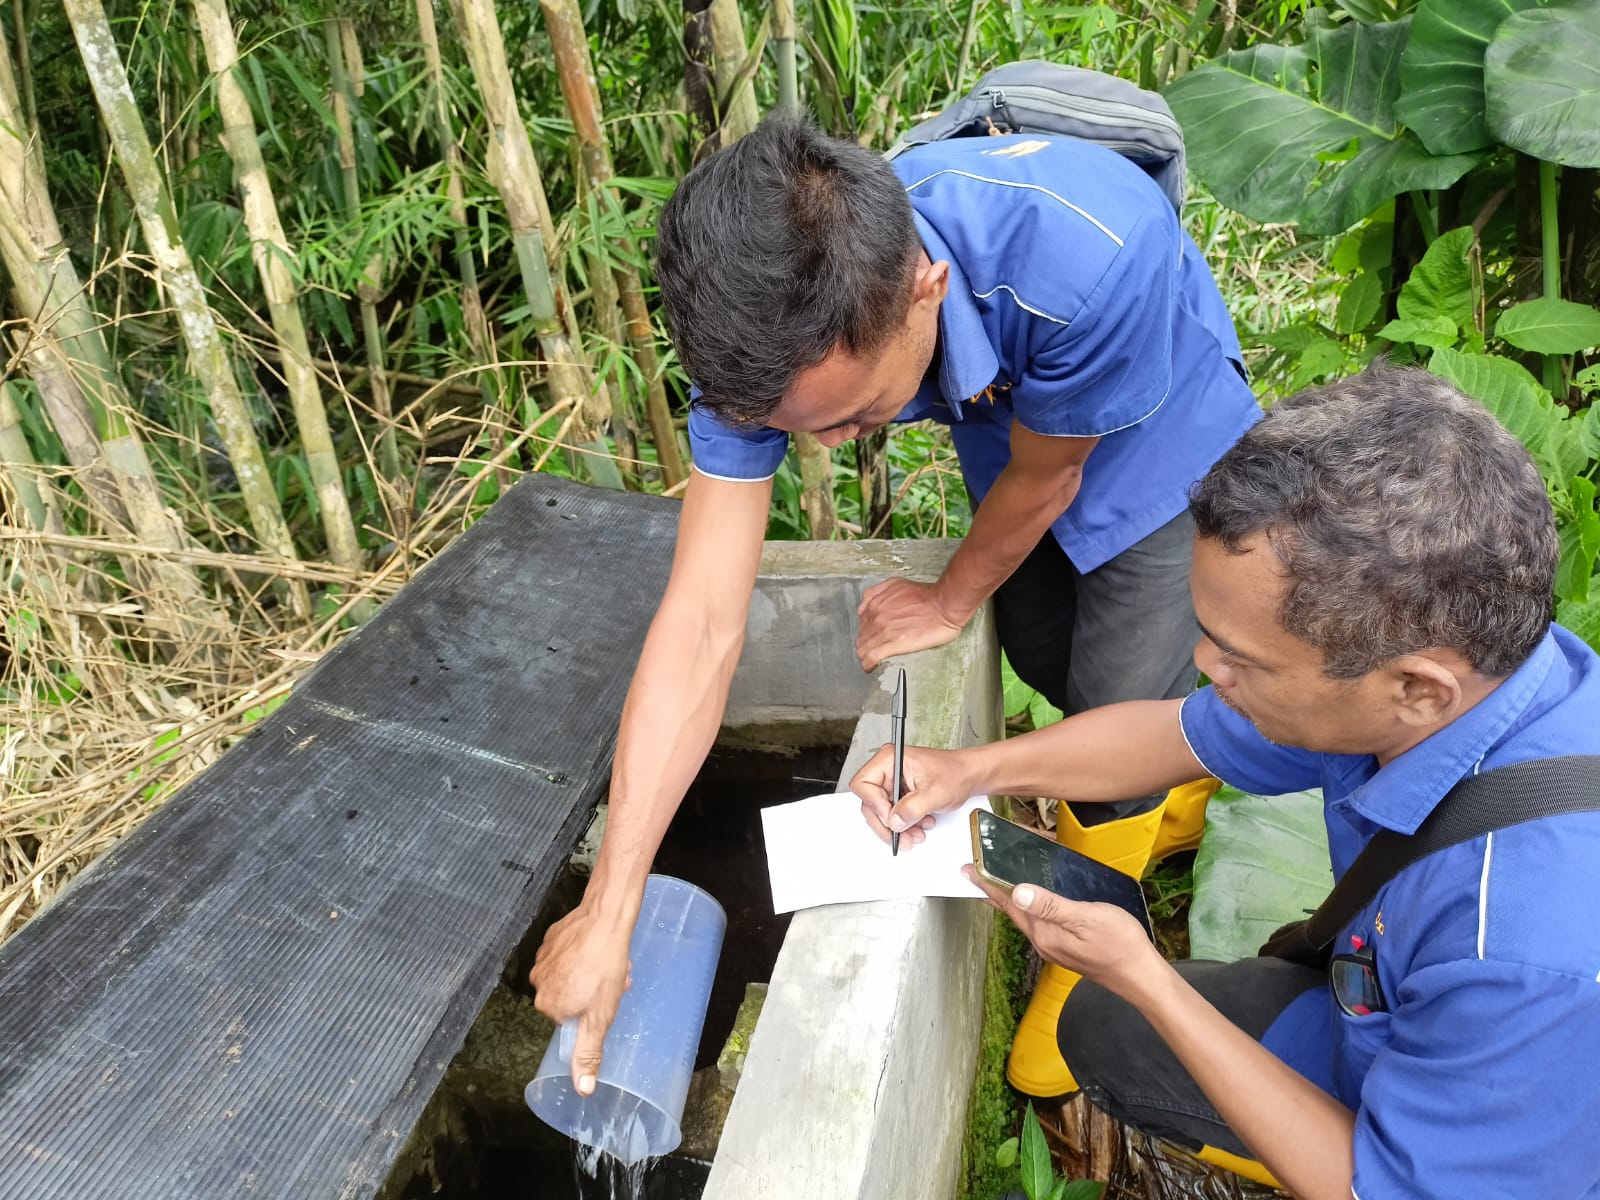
{"x":1354,"y":980}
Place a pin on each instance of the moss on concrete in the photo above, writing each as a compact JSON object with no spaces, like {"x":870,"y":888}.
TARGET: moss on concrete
{"x":994,"y":1110}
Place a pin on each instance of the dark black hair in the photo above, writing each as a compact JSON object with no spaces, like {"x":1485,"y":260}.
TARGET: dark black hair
{"x":1406,"y":517}
{"x":775,"y":250}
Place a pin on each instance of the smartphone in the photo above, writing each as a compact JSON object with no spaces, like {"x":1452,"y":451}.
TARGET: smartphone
{"x":1006,"y":854}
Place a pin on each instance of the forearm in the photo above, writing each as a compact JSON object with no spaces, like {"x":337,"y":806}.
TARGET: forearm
{"x":1015,"y":514}
{"x":1132,"y":749}
{"x":669,"y":722}
{"x":1304,"y":1136}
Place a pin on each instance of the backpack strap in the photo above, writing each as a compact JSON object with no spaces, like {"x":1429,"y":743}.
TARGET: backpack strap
{"x":1479,"y":804}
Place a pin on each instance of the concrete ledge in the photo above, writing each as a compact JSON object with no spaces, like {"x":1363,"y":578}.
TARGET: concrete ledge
{"x":859,"y":1071}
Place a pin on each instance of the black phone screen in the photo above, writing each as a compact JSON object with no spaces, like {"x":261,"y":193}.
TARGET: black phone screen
{"x":1013,"y":855}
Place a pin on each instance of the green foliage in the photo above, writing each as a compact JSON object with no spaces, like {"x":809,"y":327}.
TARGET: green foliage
{"x":1550,"y":326}
{"x":1542,"y":88}
{"x":1441,"y":72}
{"x":1272,"y":129}
{"x":1017,"y":699}
{"x":1317,"y":133}
{"x":1039,"y":1178}
{"x":1308,"y":133}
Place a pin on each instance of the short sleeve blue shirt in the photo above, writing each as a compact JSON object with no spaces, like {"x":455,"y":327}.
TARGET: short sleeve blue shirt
{"x":1077,"y":306}
{"x":1483,"y":1077}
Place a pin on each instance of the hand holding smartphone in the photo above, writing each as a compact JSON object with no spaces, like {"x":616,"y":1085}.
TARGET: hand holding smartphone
{"x":1006,"y":854}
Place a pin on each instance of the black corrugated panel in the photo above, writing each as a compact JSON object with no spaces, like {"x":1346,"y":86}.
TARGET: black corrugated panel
{"x":256,"y":993}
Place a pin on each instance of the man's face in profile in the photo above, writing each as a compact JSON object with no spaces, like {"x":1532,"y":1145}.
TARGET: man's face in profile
{"x":1267,"y":674}
{"x":847,"y":396}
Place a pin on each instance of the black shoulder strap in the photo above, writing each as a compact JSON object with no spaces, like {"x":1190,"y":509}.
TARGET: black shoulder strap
{"x":1479,"y":804}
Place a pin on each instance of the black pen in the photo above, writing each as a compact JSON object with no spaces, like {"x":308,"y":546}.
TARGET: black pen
{"x":897,"y":734}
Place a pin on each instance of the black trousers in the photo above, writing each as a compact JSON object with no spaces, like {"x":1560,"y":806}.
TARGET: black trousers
{"x":1124,"y":631}
{"x":1126,"y":1070}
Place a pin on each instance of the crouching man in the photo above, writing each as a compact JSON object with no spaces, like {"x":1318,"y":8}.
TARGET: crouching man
{"x":1373,"y":569}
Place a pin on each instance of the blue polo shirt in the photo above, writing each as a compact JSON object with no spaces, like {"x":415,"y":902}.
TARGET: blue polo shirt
{"x":1077,"y":306}
{"x":1483,"y":1077}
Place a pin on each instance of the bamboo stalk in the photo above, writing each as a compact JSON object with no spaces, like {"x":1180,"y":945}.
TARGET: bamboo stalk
{"x":208,"y":357}
{"x":269,"y":248}
{"x":783,"y":30}
{"x":338,"y":39}
{"x":564,"y":22}
{"x":82,"y":393}
{"x":22,"y":472}
{"x":738,"y":113}
{"x":515,"y":175}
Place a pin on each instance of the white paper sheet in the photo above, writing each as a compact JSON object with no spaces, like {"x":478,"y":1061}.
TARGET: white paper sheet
{"x":820,"y":851}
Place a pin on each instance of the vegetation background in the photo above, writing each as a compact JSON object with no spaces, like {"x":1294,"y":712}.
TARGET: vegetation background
{"x":293,"y":292}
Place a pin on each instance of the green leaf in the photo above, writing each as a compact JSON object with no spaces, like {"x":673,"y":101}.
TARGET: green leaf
{"x":1359,"y":304}
{"x":1589,"y":432}
{"x":1437,"y":332}
{"x":1515,"y":398}
{"x":1042,"y":712}
{"x":1542,"y":80}
{"x":1321,"y":358}
{"x":1441,"y":284}
{"x":1262,"y":862}
{"x":1580,"y":543}
{"x":1441,"y":72}
{"x":1550,"y":326}
{"x":1583,"y":619}
{"x":1346,"y":258}
{"x":1260,"y":124}
{"x":1016,"y":696}
{"x":1083,"y":1189}
{"x":1006,"y":1154}
{"x":1038,"y":1174}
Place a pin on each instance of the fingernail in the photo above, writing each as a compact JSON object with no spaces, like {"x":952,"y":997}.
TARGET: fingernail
{"x":1023,"y":896}
{"x":897,"y":823}
{"x":585,"y":1085}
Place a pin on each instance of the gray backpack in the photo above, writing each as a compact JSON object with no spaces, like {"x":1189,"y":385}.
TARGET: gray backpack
{"x":1048,"y":98}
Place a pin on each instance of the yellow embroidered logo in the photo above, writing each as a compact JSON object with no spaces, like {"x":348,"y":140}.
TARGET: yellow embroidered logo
{"x":1018,"y":150}
{"x":1378,"y":923}
{"x":988,"y":394}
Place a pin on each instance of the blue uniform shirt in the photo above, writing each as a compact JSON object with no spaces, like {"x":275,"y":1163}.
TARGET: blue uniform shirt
{"x":1482,"y":1078}
{"x":1077,"y":306}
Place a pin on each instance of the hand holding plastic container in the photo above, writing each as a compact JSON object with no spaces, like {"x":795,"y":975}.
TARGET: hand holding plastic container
{"x":648,"y":1055}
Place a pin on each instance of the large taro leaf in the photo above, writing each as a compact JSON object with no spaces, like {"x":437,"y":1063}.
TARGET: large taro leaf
{"x":1441,"y":71}
{"x":1542,"y":79}
{"x":1262,"y":863}
{"x":1308,"y":133}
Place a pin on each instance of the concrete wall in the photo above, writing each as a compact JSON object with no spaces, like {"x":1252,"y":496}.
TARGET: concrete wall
{"x":859,"y":1071}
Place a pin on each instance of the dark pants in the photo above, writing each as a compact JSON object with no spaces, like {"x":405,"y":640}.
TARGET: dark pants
{"x":1124,"y":631}
{"x":1127,"y":1071}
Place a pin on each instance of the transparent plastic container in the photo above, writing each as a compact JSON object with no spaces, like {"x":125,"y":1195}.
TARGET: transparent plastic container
{"x":649,"y":1052}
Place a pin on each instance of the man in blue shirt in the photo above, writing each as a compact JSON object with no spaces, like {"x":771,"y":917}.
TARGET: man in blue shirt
{"x":1373,"y":571}
{"x":1037,"y":295}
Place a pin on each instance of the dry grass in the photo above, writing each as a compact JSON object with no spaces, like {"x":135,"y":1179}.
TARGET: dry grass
{"x":103,"y":716}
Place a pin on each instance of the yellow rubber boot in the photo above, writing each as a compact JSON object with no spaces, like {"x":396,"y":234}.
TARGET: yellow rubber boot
{"x":1183,"y":818}
{"x":1035,"y":1067}
{"x":1248,"y":1167}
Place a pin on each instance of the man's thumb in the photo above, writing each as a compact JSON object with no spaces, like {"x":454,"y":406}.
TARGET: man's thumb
{"x":586,"y":1054}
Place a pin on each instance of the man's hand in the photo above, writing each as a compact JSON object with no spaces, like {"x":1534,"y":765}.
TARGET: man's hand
{"x":932,"y":781}
{"x":899,"y":616}
{"x":1099,"y":941}
{"x":581,"y":971}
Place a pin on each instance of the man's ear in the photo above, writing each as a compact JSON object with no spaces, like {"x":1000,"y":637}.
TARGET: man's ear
{"x":1427,"y":687}
{"x":932,"y":283}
